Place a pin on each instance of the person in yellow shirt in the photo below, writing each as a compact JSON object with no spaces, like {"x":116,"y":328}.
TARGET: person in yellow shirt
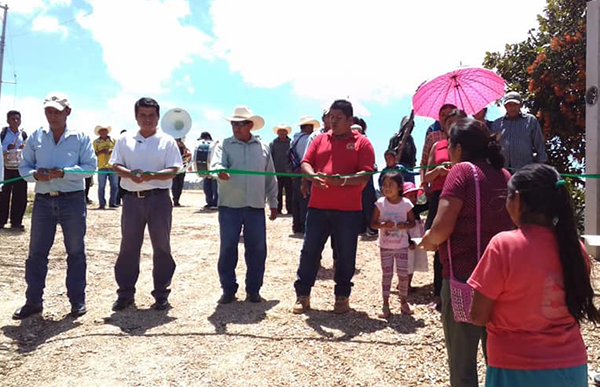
{"x":103,"y":146}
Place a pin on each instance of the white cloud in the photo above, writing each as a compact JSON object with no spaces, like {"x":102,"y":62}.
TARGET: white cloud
{"x":48,"y":24}
{"x":31,"y":6}
{"x":143,"y":41}
{"x":368,"y":50}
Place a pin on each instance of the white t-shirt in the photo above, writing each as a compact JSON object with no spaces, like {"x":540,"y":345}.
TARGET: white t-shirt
{"x":398,"y":213}
{"x":151,"y":154}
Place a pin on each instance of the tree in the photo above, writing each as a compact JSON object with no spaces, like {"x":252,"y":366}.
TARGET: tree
{"x":549,"y":70}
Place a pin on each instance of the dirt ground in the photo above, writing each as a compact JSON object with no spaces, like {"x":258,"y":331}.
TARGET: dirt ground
{"x":197,"y":342}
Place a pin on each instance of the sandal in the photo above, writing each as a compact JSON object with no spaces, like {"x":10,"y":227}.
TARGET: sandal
{"x":385,"y":312}
{"x":406,"y":309}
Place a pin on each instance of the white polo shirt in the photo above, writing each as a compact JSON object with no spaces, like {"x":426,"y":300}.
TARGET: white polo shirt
{"x":151,"y":154}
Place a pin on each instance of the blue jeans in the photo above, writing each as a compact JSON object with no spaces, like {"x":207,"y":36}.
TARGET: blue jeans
{"x":114,"y":187}
{"x":231,"y":221}
{"x":70,"y":212}
{"x":209,"y":186}
{"x":343,"y":226}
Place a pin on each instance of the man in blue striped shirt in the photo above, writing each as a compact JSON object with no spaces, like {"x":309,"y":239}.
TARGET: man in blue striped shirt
{"x":520,"y":135}
{"x":57,"y":159}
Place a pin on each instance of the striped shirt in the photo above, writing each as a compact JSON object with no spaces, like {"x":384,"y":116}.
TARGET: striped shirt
{"x":521,"y":139}
{"x":433,"y":135}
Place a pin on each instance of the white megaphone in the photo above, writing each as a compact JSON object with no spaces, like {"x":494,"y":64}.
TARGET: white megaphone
{"x":176,"y":123}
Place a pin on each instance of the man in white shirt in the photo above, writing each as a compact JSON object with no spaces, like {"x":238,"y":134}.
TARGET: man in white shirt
{"x":13,"y":199}
{"x":146,"y":161}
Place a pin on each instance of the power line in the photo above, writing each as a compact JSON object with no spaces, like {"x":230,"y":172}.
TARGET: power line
{"x":62,"y":23}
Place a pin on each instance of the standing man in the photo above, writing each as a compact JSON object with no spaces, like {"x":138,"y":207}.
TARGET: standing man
{"x":297,"y":149}
{"x":520,"y":135}
{"x":51,"y":158}
{"x":242,"y":203}
{"x":103,"y":146}
{"x":13,"y":199}
{"x":280,"y":148}
{"x":179,"y":179}
{"x":335,"y":204}
{"x":204,"y":154}
{"x":147,"y":161}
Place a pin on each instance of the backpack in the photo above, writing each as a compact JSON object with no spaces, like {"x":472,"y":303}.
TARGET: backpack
{"x":202,"y":156}
{"x":295,"y":159}
{"x":5,"y":129}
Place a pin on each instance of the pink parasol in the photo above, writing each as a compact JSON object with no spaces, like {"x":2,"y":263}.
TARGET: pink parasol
{"x":470,"y":89}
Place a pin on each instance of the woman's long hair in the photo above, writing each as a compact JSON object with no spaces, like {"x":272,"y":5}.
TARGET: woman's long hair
{"x":476,"y":142}
{"x":544,"y":196}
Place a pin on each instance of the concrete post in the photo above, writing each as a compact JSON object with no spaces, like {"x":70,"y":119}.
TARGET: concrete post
{"x":592,"y":123}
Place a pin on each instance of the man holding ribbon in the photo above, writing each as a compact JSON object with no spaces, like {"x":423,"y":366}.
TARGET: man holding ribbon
{"x":147,"y":162}
{"x":57,"y":159}
{"x":242,"y":203}
{"x":335,"y":206}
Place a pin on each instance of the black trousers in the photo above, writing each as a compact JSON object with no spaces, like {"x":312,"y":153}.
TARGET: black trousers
{"x":433,"y":202}
{"x":284,"y":183}
{"x":13,"y":199}
{"x":299,"y":207}
{"x":177,"y":187}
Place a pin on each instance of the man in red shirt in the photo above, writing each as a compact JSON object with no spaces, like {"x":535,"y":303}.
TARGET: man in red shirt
{"x":335,"y":206}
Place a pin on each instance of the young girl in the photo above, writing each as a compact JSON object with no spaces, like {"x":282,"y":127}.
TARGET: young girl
{"x":393,"y":216}
{"x":532,"y":288}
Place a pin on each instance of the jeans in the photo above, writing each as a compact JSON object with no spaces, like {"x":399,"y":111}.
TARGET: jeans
{"x":369,"y":197}
{"x":113,"y":180}
{"x":299,"y":206}
{"x":70,"y":212}
{"x":177,"y":187}
{"x":210,"y":191}
{"x":156,"y":212}
{"x":231,"y":221}
{"x":284,"y":183}
{"x":13,"y":199}
{"x":343,"y":226}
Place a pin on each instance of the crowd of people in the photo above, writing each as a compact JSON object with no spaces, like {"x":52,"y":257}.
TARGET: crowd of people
{"x":509,"y":268}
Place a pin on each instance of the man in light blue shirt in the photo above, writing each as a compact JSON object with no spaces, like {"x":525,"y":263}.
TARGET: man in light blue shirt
{"x":55,"y":158}
{"x":242,"y":203}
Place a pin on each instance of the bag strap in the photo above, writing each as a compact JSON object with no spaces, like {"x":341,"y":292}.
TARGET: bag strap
{"x":478,"y":221}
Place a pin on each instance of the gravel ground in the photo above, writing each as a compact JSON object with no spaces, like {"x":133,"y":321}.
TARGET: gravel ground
{"x":197,"y":343}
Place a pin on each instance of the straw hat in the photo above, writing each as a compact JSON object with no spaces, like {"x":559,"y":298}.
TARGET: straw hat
{"x":282,"y":126}
{"x":243,"y":113}
{"x":99,"y":127}
{"x":308,"y":120}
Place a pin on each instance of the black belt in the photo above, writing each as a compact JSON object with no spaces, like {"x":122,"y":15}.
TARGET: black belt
{"x":145,"y":194}
{"x":58,"y":193}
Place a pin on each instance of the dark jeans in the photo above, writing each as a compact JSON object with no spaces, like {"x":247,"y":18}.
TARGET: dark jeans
{"x":156,"y":212}
{"x":231,"y":222}
{"x":343,"y":226}
{"x":462,"y":344}
{"x":13,"y":199}
{"x":70,"y":212}
{"x":369,"y":197}
{"x":177,"y":186}
{"x":284,"y":183}
{"x":433,"y":202}
{"x":299,"y":206}
{"x":114,"y":187}
{"x":211,"y":193}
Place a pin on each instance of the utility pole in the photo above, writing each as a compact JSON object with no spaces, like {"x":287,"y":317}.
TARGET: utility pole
{"x":592,"y":124}
{"x":2,"y":43}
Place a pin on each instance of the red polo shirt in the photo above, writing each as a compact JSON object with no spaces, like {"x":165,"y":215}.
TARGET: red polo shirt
{"x":333,"y":156}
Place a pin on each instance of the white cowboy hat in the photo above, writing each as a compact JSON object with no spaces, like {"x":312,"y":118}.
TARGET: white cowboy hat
{"x":282,"y":126}
{"x":308,"y":120}
{"x":99,"y":127}
{"x":243,"y":113}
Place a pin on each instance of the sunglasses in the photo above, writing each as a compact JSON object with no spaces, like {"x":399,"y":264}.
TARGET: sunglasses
{"x":240,"y":123}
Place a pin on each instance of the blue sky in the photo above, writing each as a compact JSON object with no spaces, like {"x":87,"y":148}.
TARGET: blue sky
{"x":283,"y":58}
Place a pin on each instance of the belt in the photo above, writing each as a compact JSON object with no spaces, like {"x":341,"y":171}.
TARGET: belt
{"x":145,"y":194}
{"x":58,"y":193}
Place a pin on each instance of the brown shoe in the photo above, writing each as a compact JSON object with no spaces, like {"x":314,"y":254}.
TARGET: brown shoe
{"x":342,"y":305}
{"x":302,"y":304}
